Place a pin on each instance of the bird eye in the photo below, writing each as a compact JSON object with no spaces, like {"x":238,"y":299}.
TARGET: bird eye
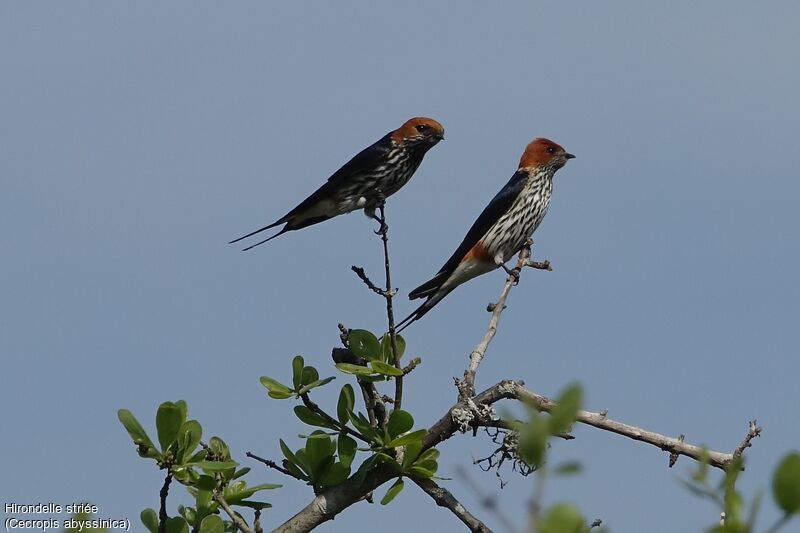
{"x":422,"y":128}
{"x":551,"y":150}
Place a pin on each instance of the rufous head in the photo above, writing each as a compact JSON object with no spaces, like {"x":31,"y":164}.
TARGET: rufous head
{"x":419,"y":130}
{"x":544,"y":153}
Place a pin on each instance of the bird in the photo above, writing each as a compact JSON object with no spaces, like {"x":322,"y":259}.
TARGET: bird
{"x":501,"y":230}
{"x":364,"y":182}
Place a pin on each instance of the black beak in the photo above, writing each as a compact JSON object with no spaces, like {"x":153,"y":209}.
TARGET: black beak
{"x":569,"y":156}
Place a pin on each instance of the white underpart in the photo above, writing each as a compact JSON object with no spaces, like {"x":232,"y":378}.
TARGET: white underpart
{"x":465,"y":272}
{"x":361,"y":202}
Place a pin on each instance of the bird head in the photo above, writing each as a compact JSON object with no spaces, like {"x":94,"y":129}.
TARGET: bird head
{"x":419,"y":131}
{"x":543,"y":153}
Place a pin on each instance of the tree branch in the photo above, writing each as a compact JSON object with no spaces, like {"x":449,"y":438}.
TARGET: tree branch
{"x":444,"y":498}
{"x":389,"y":294}
{"x":753,"y":432}
{"x":270,"y":464}
{"x":162,"y":512}
{"x":326,"y":505}
{"x":455,"y":420}
{"x":235,"y":518}
{"x":467,"y":386}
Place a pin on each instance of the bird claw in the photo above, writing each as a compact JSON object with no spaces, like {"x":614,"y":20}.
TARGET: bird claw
{"x":514,"y":273}
{"x":383,"y":229}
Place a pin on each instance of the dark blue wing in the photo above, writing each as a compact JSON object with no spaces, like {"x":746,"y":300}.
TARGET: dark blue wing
{"x":367,"y":159}
{"x":497,"y":206}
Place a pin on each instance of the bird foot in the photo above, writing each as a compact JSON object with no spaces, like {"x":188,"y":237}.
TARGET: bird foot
{"x":383,"y":229}
{"x":514,"y":273}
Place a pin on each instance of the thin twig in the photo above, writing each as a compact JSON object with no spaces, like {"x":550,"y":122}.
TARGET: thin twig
{"x":235,"y":518}
{"x":162,"y":512}
{"x":270,"y":464}
{"x":467,"y":387}
{"x":753,"y":431}
{"x":257,"y":522}
{"x":368,"y":282}
{"x":389,"y":294}
{"x":444,"y":498}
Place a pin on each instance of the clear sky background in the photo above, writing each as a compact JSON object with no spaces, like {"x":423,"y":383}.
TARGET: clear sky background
{"x":137,"y":139}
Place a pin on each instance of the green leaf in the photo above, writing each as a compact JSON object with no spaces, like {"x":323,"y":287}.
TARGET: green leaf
{"x":169,"y":418}
{"x":393,"y":491}
{"x":150,"y":520}
{"x":292,"y":458}
{"x":384,"y":368}
{"x":216,"y":466}
{"x":295,"y":471}
{"x":411,"y":454}
{"x":276,"y":389}
{"x":386,"y":347}
{"x":347,"y":400}
{"x":363,"y":426}
{"x":399,"y":422}
{"x":408,"y":438}
{"x":241,"y":472}
{"x":255,"y":505}
{"x":786,"y":483}
{"x":184,"y":407}
{"x":431,"y":454}
{"x":318,"y":450}
{"x":335,"y":475}
{"x":189,"y":436}
{"x":199,"y":456}
{"x":212,"y":524}
{"x":177,"y":524}
{"x":134,"y":429}
{"x":364,"y":344}
{"x":307,"y":416}
{"x":309,"y":375}
{"x":533,"y":440}
{"x":239,"y":491}
{"x":188,"y":514}
{"x":364,"y":469}
{"x":219,"y":447}
{"x":565,"y":412}
{"x":347,"y":449}
{"x":314,"y":384}
{"x":421,"y":471}
{"x":297,"y":371}
{"x":570,"y":467}
{"x":205,"y":482}
{"x":562,"y":518}
{"x":349,"y":368}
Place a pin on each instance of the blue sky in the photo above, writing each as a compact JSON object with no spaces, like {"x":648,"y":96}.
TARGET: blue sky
{"x":138,"y":139}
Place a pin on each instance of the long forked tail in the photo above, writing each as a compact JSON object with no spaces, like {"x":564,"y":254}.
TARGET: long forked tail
{"x":422,"y":310}
{"x":278,"y":223}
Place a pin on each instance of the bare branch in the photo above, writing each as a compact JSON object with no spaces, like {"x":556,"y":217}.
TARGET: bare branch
{"x":753,"y":432}
{"x":235,"y":518}
{"x":601,"y":421}
{"x":444,"y":498}
{"x":467,"y":387}
{"x":162,"y":512}
{"x":270,"y":464}
{"x":448,"y":425}
{"x":368,"y":282}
